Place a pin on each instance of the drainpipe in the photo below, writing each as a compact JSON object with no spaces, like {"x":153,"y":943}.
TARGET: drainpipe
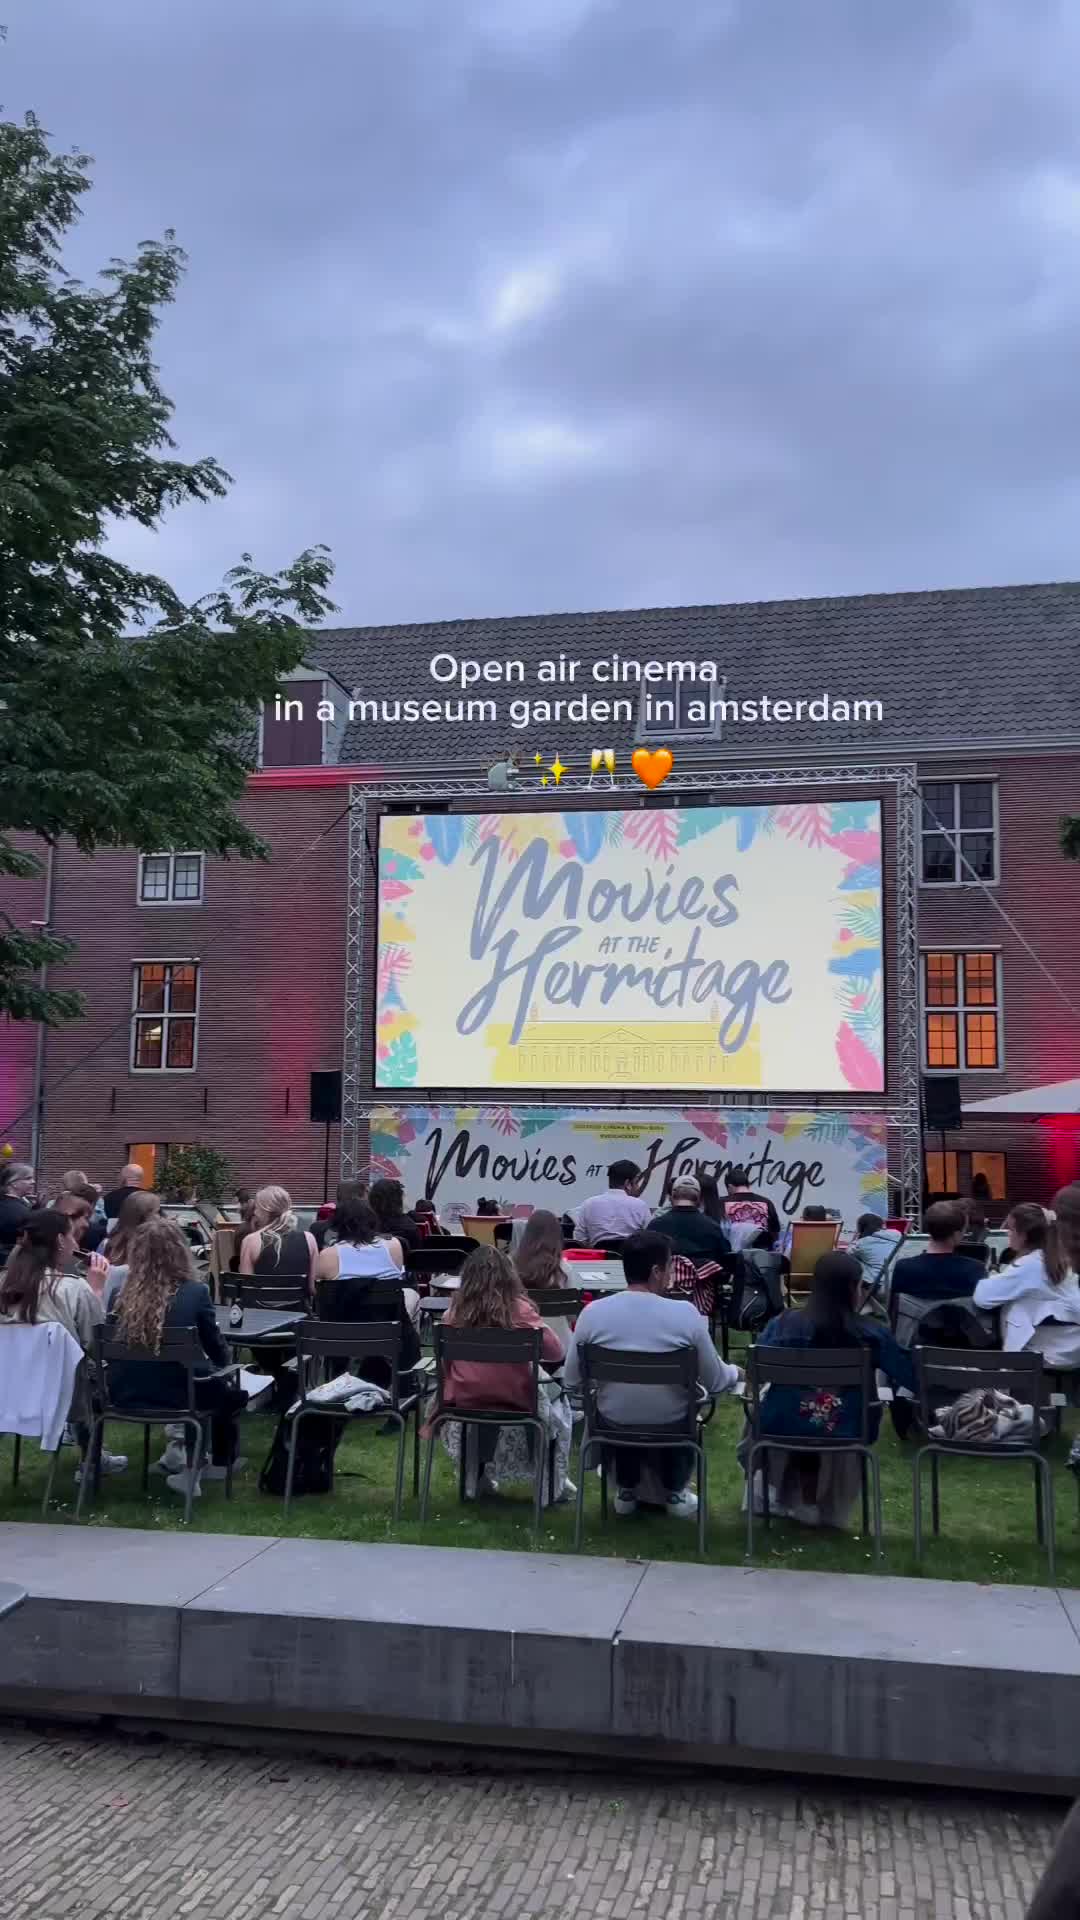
{"x":37,"y":1136}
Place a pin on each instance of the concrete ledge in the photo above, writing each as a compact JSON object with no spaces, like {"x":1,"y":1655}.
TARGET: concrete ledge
{"x":878,"y":1677}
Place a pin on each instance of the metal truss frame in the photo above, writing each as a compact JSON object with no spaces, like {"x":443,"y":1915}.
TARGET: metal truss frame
{"x":901,"y":1110}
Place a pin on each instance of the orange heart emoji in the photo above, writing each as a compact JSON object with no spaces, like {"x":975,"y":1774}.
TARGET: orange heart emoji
{"x":652,"y":768}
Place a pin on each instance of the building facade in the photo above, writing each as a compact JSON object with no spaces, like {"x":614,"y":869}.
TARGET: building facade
{"x":215,"y":989}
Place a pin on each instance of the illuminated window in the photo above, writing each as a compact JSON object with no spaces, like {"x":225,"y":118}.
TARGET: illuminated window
{"x":959,"y":832}
{"x":151,"y":1157}
{"x":164,"y":1018}
{"x":956,"y":1173}
{"x":961,"y":1012}
{"x":170,"y":879}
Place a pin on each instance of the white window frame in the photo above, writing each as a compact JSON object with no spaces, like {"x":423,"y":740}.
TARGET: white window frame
{"x":156,"y":960}
{"x":952,"y":834}
{"x":661,"y":731}
{"x":188,"y":853}
{"x":960,"y":948}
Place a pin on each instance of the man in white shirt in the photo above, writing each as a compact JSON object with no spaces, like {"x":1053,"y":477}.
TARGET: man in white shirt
{"x":616,"y":1214}
{"x":642,"y":1320}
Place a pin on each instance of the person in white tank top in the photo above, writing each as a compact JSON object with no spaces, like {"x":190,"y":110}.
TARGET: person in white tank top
{"x":359,"y":1254}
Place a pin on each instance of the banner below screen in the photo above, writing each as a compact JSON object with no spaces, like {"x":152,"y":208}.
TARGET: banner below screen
{"x":718,"y":948}
{"x":528,"y":1157}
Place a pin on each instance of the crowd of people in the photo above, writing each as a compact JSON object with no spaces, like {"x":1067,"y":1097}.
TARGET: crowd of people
{"x":92,"y":1258}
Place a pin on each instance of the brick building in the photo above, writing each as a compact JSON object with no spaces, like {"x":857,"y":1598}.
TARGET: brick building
{"x":216,"y":988}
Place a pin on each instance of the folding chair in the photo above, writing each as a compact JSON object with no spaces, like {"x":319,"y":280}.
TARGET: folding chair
{"x":839,"y":1370}
{"x":324,"y":1340}
{"x":490,"y":1346}
{"x":610,"y":1366}
{"x":558,"y":1303}
{"x":181,"y":1351}
{"x":942,"y":1376}
{"x":425,"y":1264}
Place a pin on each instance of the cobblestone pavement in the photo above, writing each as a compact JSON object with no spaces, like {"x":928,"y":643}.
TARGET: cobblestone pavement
{"x":93,"y":1826}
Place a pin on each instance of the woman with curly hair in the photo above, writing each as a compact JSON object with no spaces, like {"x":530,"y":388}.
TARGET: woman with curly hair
{"x":490,"y":1294}
{"x":161,"y":1294}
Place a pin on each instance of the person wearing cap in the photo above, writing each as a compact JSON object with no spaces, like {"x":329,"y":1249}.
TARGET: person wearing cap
{"x":690,"y":1231}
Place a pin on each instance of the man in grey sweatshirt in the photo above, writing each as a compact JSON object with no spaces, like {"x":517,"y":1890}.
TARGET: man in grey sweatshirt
{"x":645,"y":1320}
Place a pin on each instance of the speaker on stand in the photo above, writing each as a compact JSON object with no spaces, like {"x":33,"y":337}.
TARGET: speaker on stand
{"x":942,"y":1112}
{"x":326,"y":1111}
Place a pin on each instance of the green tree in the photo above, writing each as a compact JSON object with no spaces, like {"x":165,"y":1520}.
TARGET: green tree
{"x":126,"y":716}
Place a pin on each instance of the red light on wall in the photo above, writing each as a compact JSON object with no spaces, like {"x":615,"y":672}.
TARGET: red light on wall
{"x":1061,"y":1132}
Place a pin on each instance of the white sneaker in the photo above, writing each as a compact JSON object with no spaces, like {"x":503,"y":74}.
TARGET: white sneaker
{"x":174,"y":1458}
{"x":110,"y":1463}
{"x":569,"y":1492}
{"x":625,"y":1503}
{"x":213,"y":1472}
{"x":684,"y":1505}
{"x":179,"y":1482}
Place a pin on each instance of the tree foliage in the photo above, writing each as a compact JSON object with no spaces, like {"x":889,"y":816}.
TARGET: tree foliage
{"x":126,"y":716}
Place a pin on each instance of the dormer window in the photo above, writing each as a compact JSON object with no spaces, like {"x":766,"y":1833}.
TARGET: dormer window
{"x":681,"y":709}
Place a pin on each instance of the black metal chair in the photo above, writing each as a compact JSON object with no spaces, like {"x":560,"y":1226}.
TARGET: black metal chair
{"x":425,"y":1264}
{"x":941,"y":1377}
{"x":287,"y":1292}
{"x":490,"y":1346}
{"x":558,"y":1303}
{"x":448,"y":1240}
{"x":839,"y":1370}
{"x":182,"y":1352}
{"x":359,"y":1340}
{"x":609,"y":1243}
{"x":609,"y":1366}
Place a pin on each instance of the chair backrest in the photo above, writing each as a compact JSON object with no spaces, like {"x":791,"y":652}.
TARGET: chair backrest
{"x":809,"y":1240}
{"x":942,"y":1374}
{"x":440,"y":1257}
{"x":558,"y":1303}
{"x":837,"y":1370}
{"x":286,"y":1291}
{"x":354,"y":1339}
{"x":979,"y":1250}
{"x":610,"y":1242}
{"x":489,"y":1347}
{"x":613,"y":1366}
{"x":180,"y":1348}
{"x":465,"y":1240}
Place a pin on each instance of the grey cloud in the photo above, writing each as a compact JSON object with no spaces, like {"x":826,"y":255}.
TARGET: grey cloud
{"x":525,"y":306}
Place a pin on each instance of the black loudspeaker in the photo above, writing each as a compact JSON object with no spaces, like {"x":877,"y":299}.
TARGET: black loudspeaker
{"x":326,"y":1097}
{"x":941,"y":1102}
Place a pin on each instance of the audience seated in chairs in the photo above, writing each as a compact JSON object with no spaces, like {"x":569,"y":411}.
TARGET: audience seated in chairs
{"x":34,"y":1288}
{"x":1038,"y":1295}
{"x":748,"y":1218}
{"x":387,"y":1198}
{"x":277,"y":1249}
{"x":136,"y":1210}
{"x":325,"y":1229}
{"x":645,"y":1320}
{"x":941,"y":1273}
{"x":689,"y":1229}
{"x":820,"y":1491}
{"x":618,"y":1212}
{"x":874,"y":1248}
{"x":161,"y":1293}
{"x":490,"y":1295}
{"x":539,"y":1262}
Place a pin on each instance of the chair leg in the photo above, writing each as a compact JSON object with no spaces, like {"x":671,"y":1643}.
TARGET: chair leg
{"x":399,"y":1481}
{"x":95,"y":1429}
{"x":765,"y":1489}
{"x":750,"y":1470}
{"x":935,"y":1493}
{"x":1040,"y":1521}
{"x":540,"y":1433}
{"x":874,"y":1468}
{"x":603,"y":1488}
{"x":198,"y":1458}
{"x":702,"y":1498}
{"x":49,"y":1482}
{"x":416,"y":1452}
{"x":1050,"y":1520}
{"x":579,"y":1506}
{"x":916,"y":1501}
{"x":463,"y":1462}
{"x":864,"y":1463}
{"x":16,"y":1459}
{"x":146,"y":1458}
{"x":429,"y":1462}
{"x":291,"y":1468}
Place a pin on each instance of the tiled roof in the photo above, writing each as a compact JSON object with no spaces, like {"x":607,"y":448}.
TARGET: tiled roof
{"x":989,"y":666}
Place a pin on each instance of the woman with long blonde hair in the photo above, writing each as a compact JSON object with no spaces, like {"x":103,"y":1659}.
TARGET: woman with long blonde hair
{"x":490,"y":1294}
{"x":276,"y":1249}
{"x":161,"y":1294}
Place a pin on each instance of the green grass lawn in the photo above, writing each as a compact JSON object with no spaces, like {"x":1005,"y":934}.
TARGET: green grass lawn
{"x":988,"y":1525}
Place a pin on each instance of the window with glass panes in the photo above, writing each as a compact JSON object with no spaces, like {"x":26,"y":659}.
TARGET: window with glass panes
{"x":961,"y":1012}
{"x":165,"y":1012}
{"x":170,"y":879}
{"x":959,"y":832}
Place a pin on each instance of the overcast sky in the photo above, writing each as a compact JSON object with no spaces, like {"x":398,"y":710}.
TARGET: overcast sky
{"x":527,"y":305}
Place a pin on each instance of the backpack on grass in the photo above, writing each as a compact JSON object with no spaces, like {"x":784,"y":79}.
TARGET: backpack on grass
{"x":316,"y":1445}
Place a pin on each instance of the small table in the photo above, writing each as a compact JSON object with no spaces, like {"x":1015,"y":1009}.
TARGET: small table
{"x":11,"y":1596}
{"x":596,"y":1276}
{"x":256,"y":1324}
